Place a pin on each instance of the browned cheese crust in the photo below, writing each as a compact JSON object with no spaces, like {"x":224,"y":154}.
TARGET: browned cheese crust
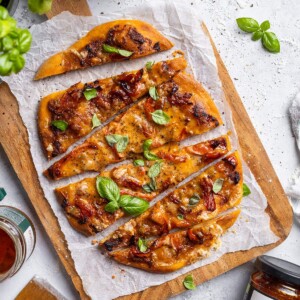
{"x":132,"y":35}
{"x":113,"y":94}
{"x":84,"y":207}
{"x":176,"y":250}
{"x":191,"y":111}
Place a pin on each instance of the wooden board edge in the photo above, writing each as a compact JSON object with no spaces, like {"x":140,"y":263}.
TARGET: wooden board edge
{"x":76,"y":7}
{"x":14,"y":140}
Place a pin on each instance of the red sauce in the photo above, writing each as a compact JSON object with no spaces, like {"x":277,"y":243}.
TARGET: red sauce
{"x":7,"y":252}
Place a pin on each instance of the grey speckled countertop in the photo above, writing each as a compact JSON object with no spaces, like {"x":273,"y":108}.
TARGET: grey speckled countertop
{"x":266,"y":84}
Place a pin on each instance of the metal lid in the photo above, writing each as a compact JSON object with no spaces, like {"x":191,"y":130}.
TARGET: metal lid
{"x":279,"y":269}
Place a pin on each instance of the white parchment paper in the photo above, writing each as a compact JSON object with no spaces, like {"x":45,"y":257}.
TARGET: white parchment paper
{"x":182,"y":26}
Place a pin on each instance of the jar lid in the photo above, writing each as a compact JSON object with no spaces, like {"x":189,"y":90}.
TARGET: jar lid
{"x":279,"y":269}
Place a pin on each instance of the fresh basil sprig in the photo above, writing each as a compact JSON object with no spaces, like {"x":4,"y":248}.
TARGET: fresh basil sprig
{"x":160,"y":117}
{"x":151,"y":186}
{"x":120,"y":141}
{"x":246,"y":190}
{"x":139,"y":163}
{"x":153,"y":93}
{"x":95,"y":121}
{"x":111,"y":49}
{"x":218,"y":184}
{"x":110,"y":191}
{"x":149,"y":65}
{"x":142,"y":245}
{"x":60,"y":124}
{"x":149,"y":155}
{"x":188,"y":282}
{"x":14,"y":43}
{"x":194,"y":199}
{"x":90,"y":94}
{"x":40,"y":6}
{"x":154,"y":170}
{"x":269,"y":39}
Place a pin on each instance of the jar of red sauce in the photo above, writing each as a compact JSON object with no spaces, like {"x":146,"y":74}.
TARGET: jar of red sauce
{"x":274,"y":278}
{"x":17,"y":240}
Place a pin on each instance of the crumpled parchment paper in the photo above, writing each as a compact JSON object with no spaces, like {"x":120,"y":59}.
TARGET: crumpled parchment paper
{"x":183,"y":28}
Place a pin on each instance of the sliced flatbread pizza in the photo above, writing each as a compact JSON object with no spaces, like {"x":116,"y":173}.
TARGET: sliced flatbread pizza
{"x":85,"y":208}
{"x":110,"y":42}
{"x":176,"y":110}
{"x":214,"y":191}
{"x":66,"y":116}
{"x":176,"y":250}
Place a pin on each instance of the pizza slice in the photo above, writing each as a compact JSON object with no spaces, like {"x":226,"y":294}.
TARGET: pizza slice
{"x":176,"y":250}
{"x":85,"y":208}
{"x":66,"y":116}
{"x":176,"y":110}
{"x":109,"y":42}
{"x":214,"y":191}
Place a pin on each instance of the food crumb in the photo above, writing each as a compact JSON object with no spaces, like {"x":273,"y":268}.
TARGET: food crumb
{"x":94,"y":242}
{"x":113,"y":276}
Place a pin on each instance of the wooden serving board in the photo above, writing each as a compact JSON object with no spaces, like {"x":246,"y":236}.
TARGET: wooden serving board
{"x":14,"y":139}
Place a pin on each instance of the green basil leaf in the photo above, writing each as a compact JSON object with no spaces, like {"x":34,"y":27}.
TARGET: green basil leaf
{"x":95,"y":121}
{"x":5,"y":65}
{"x":40,"y":6}
{"x":60,"y":124}
{"x":149,"y":65}
{"x":257,"y":35}
{"x":125,"y":53}
{"x":3,"y":13}
{"x":148,"y":155}
{"x":111,"y":206}
{"x":107,"y":189}
{"x":271,"y":42}
{"x":247,"y":24}
{"x":188,"y":282}
{"x":218,"y":185}
{"x":265,"y":25}
{"x":154,"y":170}
{"x":139,"y":163}
{"x":147,"y":144}
{"x":124,"y":200}
{"x":180,"y":217}
{"x":6,"y":26}
{"x":18,"y":64}
{"x":142,"y":245}
{"x":7,"y":43}
{"x":122,"y":144}
{"x":90,"y":94}
{"x":194,"y":199}
{"x":2,"y":194}
{"x":25,"y":39}
{"x":111,"y":49}
{"x":113,"y":139}
{"x":14,"y":54}
{"x":147,"y":188}
{"x":246,"y":190}
{"x":136,"y":206}
{"x":160,"y":117}
{"x":153,"y":93}
{"x":151,"y":186}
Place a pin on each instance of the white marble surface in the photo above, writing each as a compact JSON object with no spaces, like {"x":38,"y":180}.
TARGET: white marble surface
{"x":266,"y":84}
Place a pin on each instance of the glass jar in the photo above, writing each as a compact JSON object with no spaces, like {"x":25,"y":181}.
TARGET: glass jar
{"x":17,"y":240}
{"x":274,"y":279}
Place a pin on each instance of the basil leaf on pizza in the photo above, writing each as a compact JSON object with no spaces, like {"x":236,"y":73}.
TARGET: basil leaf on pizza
{"x":160,"y":117}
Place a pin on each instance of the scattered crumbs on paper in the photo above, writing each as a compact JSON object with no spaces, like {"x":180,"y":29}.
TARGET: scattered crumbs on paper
{"x":94,"y":242}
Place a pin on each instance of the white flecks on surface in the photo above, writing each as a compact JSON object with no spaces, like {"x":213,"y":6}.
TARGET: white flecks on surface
{"x":266,"y":83}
